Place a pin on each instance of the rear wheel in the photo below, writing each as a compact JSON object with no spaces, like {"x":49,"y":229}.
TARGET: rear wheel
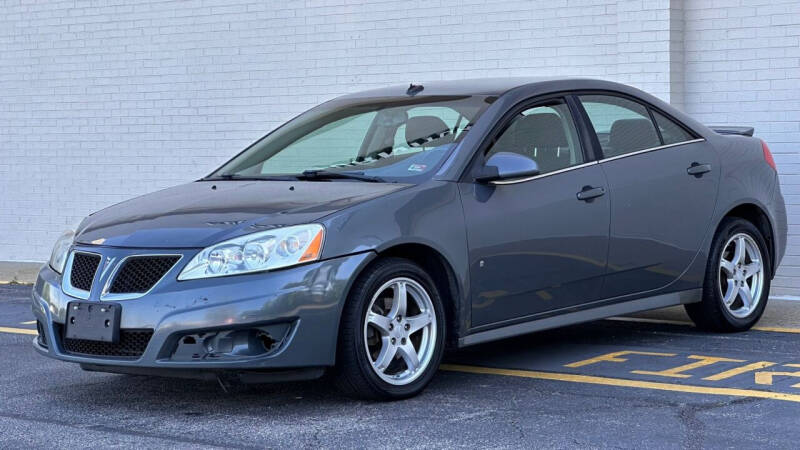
{"x":392,"y":333}
{"x":737,"y":280}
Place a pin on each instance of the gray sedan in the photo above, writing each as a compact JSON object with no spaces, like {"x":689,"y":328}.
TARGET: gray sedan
{"x":370,"y":233}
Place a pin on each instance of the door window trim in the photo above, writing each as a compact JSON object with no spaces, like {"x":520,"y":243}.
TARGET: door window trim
{"x":651,"y":149}
{"x":598,"y":150}
{"x":536,"y":177}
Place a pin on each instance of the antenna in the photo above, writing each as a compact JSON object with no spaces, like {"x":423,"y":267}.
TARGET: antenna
{"x":414,"y":89}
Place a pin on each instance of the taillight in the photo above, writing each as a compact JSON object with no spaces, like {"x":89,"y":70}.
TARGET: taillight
{"x":768,"y":156}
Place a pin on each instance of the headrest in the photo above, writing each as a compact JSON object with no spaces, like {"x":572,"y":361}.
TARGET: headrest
{"x":541,"y":130}
{"x":628,"y":135}
{"x":427,"y":131}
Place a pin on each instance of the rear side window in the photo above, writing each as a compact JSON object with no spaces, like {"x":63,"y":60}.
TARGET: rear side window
{"x":544,"y":133}
{"x":622,"y":126}
{"x":671,"y":132}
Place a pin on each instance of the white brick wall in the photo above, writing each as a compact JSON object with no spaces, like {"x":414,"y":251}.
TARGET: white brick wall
{"x":742,"y":60}
{"x":104,"y":100}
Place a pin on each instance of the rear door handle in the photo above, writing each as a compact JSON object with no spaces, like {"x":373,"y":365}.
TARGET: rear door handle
{"x":589,"y":192}
{"x":698,"y":169}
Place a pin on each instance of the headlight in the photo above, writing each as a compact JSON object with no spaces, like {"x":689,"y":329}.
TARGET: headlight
{"x":265,"y":250}
{"x":60,"y":251}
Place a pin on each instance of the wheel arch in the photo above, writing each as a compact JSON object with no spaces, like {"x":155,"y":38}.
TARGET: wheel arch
{"x":756,"y":215}
{"x":439,"y":268}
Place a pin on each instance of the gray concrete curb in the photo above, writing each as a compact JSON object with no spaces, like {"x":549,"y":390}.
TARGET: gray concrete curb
{"x":19,"y":272}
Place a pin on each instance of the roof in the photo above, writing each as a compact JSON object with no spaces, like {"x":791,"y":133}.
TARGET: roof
{"x":525,"y":87}
{"x":479,"y":86}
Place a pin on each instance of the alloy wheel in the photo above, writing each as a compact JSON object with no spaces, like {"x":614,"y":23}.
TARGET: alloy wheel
{"x":400,"y":331}
{"x":741,"y":275}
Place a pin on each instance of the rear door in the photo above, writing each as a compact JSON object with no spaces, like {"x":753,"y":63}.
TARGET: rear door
{"x":662,"y":184}
{"x":534,"y":246}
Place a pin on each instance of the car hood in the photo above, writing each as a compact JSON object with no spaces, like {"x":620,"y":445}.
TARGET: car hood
{"x":202,"y":213}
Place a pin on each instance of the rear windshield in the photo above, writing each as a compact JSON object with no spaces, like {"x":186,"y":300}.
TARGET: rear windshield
{"x":400,"y":139}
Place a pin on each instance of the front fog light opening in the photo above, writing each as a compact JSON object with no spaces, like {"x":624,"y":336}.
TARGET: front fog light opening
{"x":230,"y":344}
{"x":42,"y":337}
{"x":267,"y":342}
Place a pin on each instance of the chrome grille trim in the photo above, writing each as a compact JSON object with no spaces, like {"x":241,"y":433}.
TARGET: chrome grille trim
{"x":66,"y":278}
{"x":109,"y":296}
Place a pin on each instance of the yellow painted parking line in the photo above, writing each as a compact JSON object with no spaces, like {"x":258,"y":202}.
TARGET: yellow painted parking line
{"x":740,"y":370}
{"x":778,"y":329}
{"x":17,"y":330}
{"x":678,"y":372}
{"x":690,"y":324}
{"x":766,"y":377}
{"x":615,"y":357}
{"x":621,"y":382}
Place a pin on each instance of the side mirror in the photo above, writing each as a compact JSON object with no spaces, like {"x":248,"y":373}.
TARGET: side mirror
{"x":507,"y":166}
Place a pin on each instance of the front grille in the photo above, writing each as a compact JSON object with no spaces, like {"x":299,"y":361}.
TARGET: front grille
{"x":139,"y":274}
{"x":84,"y":266}
{"x":132,"y":344}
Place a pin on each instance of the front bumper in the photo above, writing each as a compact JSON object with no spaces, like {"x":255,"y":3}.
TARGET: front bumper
{"x":303,"y":304}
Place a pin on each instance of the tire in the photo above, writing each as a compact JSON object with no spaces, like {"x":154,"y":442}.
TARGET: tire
{"x":373,"y":357}
{"x":720,"y":283}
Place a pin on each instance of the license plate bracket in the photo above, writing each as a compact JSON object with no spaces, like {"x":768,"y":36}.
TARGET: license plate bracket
{"x":93,"y":321}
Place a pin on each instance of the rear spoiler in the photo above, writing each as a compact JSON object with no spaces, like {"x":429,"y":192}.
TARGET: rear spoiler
{"x":741,"y":131}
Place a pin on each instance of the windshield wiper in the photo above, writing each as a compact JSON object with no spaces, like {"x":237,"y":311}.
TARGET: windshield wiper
{"x":323,"y":174}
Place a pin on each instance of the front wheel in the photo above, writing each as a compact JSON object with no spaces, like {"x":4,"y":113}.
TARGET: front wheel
{"x":737,"y":282}
{"x":392,"y":332}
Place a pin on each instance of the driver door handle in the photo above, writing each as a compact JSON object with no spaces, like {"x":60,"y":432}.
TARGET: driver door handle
{"x":589,"y":192}
{"x":698,"y":169}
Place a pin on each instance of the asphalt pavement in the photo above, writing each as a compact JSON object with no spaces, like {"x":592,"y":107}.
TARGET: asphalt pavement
{"x":650,"y":381}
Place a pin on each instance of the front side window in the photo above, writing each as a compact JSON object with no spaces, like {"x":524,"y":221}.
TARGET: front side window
{"x":622,"y":126}
{"x":544,"y":133}
{"x":402,"y":139}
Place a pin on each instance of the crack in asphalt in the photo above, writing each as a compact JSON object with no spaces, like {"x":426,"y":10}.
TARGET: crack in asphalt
{"x":688,"y":412}
{"x":113,"y":430}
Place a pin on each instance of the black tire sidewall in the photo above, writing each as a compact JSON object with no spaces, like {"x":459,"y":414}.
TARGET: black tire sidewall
{"x":730,"y":228}
{"x":361,"y":295}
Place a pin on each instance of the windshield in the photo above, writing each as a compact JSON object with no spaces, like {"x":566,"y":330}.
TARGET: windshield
{"x":401,"y":139}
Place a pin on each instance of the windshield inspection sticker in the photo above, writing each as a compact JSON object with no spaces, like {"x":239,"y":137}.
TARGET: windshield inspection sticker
{"x":417,"y":168}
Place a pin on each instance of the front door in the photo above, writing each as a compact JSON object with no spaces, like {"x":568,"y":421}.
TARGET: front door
{"x":534,"y":246}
